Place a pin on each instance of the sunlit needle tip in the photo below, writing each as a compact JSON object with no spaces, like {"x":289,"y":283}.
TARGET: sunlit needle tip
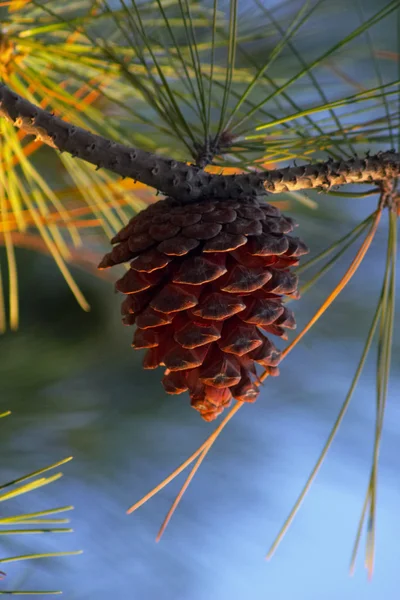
{"x":202,"y":451}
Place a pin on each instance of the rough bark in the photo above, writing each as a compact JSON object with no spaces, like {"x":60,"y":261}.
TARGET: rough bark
{"x":186,"y":182}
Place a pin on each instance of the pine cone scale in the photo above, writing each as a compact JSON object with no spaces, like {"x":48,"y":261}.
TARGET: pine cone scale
{"x":206,"y":280}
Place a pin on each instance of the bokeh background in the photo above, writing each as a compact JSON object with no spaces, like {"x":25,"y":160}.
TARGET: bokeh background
{"x":76,"y":387}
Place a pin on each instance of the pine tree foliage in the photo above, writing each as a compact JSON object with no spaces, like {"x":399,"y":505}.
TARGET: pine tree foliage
{"x":41,"y":522}
{"x":240,"y":89}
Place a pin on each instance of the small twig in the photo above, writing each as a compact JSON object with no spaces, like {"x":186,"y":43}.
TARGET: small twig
{"x":207,"y":151}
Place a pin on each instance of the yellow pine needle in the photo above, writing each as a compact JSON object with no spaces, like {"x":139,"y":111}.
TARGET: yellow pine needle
{"x":17,"y":213}
{"x":93,"y":194}
{"x":42,"y":555}
{"x":41,"y":191}
{"x":90,"y":196}
{"x":119,"y":189}
{"x":12,"y":189}
{"x":202,"y":451}
{"x":34,"y":517}
{"x":54,"y":216}
{"x":13,"y":282}
{"x":18,"y":521}
{"x":105,"y":190}
{"x":3,"y":320}
{"x":28,"y":487}
{"x":59,"y":463}
{"x":15,"y":4}
{"x":11,"y":224}
{"x":35,"y":531}
{"x":55,"y":93}
{"x":55,"y":253}
{"x":63,"y":102}
{"x":85,"y":259}
{"x":11,"y":262}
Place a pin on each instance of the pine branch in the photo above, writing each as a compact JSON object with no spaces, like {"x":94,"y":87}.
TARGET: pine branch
{"x":187,"y":182}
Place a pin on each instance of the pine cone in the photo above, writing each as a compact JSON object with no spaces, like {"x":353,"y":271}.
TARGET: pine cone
{"x":205,"y":279}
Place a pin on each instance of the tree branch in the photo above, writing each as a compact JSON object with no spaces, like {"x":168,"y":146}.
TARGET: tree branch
{"x":186,"y":182}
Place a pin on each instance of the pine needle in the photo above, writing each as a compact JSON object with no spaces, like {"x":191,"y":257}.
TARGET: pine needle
{"x":342,"y":284}
{"x":331,"y":436}
{"x":30,"y":593}
{"x":3,"y":318}
{"x":11,"y":262}
{"x":39,"y":555}
{"x":382,"y":379}
{"x":202,"y":451}
{"x":346,"y":278}
{"x":187,"y":462}
{"x":36,"y":473}
{"x":209,"y":443}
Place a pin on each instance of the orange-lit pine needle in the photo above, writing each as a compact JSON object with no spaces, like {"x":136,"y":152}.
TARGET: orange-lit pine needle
{"x":203,"y":450}
{"x":11,"y":225}
{"x":187,"y":462}
{"x":183,"y":489}
{"x":342,"y":283}
{"x":206,"y":447}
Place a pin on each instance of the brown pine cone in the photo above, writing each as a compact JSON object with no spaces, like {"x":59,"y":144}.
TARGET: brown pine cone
{"x":205,"y":279}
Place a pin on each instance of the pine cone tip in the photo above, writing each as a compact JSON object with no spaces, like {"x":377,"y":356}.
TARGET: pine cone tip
{"x":206,"y":283}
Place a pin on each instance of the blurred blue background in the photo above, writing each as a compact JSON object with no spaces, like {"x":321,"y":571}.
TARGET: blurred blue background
{"x":76,"y":387}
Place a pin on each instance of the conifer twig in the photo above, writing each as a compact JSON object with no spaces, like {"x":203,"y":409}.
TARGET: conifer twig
{"x":180,"y":180}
